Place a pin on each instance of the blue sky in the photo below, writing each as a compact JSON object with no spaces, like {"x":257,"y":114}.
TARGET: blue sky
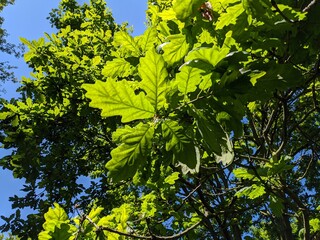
{"x":27,"y":18}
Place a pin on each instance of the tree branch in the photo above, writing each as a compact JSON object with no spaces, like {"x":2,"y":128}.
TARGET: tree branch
{"x":312,"y":3}
{"x":284,"y":130}
{"x":176,"y":236}
{"x":275,"y":5}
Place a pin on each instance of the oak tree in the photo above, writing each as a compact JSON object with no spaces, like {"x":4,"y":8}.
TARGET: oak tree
{"x":206,"y":126}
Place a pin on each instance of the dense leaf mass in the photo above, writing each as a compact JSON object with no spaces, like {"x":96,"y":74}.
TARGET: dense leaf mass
{"x":206,"y":126}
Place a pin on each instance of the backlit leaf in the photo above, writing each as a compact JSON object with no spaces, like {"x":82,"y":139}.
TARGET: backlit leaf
{"x":171,"y":179}
{"x":229,"y":16}
{"x":118,"y":98}
{"x":118,"y":67}
{"x":131,"y":154}
{"x":210,"y":55}
{"x":176,"y":49}
{"x":56,"y":214}
{"x":127,"y":42}
{"x":148,"y":39}
{"x":153,"y":74}
{"x":173,"y":133}
{"x":185,"y":8}
{"x":188,"y":79}
{"x":182,"y":147}
{"x":252,"y":192}
{"x":243,"y":173}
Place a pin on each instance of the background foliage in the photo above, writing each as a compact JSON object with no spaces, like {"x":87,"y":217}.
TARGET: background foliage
{"x":6,"y":73}
{"x":204,"y":127}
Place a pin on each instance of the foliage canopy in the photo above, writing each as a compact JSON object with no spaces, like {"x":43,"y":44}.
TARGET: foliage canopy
{"x":206,"y":126}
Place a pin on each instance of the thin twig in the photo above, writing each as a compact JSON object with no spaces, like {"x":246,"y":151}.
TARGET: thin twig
{"x":284,"y":130}
{"x":306,"y":171}
{"x":307,"y":8}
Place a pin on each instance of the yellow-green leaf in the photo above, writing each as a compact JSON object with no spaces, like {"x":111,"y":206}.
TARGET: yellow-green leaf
{"x":118,"y":67}
{"x":177,"y":47}
{"x":127,"y":42}
{"x":127,"y":157}
{"x":185,"y":8}
{"x":118,"y":99}
{"x":171,"y":179}
{"x":153,"y":74}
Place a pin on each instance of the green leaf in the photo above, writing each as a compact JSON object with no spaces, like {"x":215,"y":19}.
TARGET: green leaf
{"x":118,"y":98}
{"x":153,"y":74}
{"x":56,"y":225}
{"x":276,"y":77}
{"x":315,"y":225}
{"x":188,"y":158}
{"x":207,"y":80}
{"x":188,"y":79}
{"x":186,"y":8}
{"x":94,"y":214}
{"x":230,"y":16}
{"x":124,"y":40}
{"x":173,"y":133}
{"x":243,"y":173}
{"x":182,"y":147}
{"x":276,"y":205}
{"x":177,"y":47}
{"x":149,"y":204}
{"x":210,"y":55}
{"x":211,"y":132}
{"x":118,"y":67}
{"x":4,"y":115}
{"x":131,"y":154}
{"x":44,"y":235}
{"x":260,"y":9}
{"x":251,"y":192}
{"x":56,"y":214}
{"x":62,"y":232}
{"x":171,"y":179}
{"x":148,"y":39}
{"x":26,"y":42}
{"x":96,"y":60}
{"x":227,"y":153}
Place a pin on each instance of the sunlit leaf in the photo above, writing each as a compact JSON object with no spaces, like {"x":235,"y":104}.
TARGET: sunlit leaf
{"x":252,"y":192}
{"x":118,"y":98}
{"x":229,"y":16}
{"x":148,"y":39}
{"x":153,"y":74}
{"x":171,"y":179}
{"x":131,"y":153}
{"x":177,"y":47}
{"x":124,"y":40}
{"x":227,"y":154}
{"x":185,"y":8}
{"x":188,"y":79}
{"x":210,"y":55}
{"x":56,"y":214}
{"x":118,"y":67}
